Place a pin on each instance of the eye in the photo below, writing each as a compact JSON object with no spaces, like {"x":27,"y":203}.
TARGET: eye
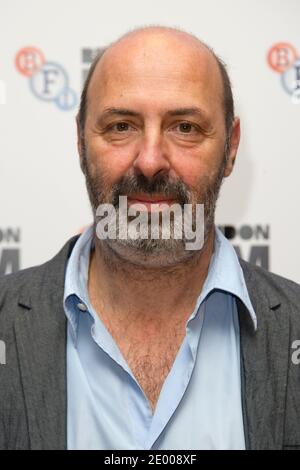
{"x":119,"y":131}
{"x":186,"y":132}
{"x":120,"y":127}
{"x":186,"y":127}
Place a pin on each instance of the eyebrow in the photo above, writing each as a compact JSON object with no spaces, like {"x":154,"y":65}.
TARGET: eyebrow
{"x":195,"y":111}
{"x":117,"y":112}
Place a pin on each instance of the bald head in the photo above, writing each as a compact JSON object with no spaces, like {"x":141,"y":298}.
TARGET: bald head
{"x":158,"y":51}
{"x":154,"y":41}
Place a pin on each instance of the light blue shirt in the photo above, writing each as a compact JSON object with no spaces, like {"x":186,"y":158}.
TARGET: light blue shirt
{"x":199,"y":406}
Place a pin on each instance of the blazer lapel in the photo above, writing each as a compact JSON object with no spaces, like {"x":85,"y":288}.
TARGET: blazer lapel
{"x":264,"y":357}
{"x":42,"y":356}
{"x":40,"y":329}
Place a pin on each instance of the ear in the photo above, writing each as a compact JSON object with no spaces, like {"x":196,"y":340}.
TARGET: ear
{"x":233,"y":146}
{"x":80,"y":142}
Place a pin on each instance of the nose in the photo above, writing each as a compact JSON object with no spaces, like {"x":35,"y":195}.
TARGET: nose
{"x":152,"y":155}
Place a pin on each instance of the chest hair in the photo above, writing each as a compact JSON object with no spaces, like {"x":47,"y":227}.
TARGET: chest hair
{"x":151,"y":360}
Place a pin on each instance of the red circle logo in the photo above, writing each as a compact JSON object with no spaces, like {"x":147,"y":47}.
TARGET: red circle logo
{"x":282,"y":56}
{"x":29,"y":60}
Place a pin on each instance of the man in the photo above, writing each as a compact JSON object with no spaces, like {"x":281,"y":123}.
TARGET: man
{"x":135,"y":343}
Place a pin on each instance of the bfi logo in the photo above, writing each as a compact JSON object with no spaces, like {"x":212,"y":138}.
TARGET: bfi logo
{"x":48,"y":80}
{"x":284,"y":59}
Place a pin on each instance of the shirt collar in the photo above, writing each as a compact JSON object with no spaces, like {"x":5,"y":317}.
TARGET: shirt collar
{"x":76,"y":278}
{"x":225,"y":273}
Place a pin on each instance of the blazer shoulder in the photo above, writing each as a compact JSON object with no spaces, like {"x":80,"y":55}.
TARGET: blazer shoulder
{"x":270,"y":282}
{"x":10,"y":284}
{"x":32,"y":281}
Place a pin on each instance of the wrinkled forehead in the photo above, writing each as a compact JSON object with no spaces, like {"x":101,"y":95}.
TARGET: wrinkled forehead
{"x":157,"y":62}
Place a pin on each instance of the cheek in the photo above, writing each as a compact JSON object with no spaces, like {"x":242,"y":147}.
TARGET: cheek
{"x":197,"y":165}
{"x":112,"y":161}
{"x":193,"y":168}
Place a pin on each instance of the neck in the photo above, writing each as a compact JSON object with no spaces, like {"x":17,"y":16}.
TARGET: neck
{"x":123,"y":290}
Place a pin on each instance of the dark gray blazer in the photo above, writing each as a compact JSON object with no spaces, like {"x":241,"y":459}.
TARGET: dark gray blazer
{"x":33,"y":398}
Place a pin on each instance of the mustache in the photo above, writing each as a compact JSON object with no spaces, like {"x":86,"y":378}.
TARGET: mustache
{"x":158,"y":185}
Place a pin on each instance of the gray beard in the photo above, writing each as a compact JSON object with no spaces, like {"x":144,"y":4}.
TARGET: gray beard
{"x":148,"y":251}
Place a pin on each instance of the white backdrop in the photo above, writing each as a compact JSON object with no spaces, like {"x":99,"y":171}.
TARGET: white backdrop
{"x":42,"y":191}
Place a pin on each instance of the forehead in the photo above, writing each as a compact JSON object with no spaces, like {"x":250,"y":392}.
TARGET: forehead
{"x":156,"y":71}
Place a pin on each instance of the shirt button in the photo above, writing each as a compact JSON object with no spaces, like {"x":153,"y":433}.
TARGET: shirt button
{"x":82,"y":307}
